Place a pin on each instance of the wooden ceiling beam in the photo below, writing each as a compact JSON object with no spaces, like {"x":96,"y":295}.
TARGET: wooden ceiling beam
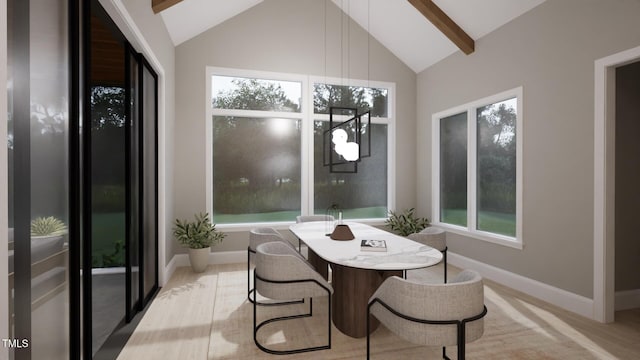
{"x":159,"y":5}
{"x":444,"y":23}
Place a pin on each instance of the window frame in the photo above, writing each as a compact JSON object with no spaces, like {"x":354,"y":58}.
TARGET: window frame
{"x":472,"y":175}
{"x":391,"y":135}
{"x":307,"y":118}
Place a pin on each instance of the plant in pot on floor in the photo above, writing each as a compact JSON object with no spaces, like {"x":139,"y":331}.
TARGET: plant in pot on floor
{"x":199,"y":236}
{"x":406,"y":223}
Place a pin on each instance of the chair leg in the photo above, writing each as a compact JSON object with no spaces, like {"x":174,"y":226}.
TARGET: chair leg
{"x":249,"y":275}
{"x":257,"y":327}
{"x":461,"y":340}
{"x":444,"y":253}
{"x":444,"y":353}
{"x":368,"y":335}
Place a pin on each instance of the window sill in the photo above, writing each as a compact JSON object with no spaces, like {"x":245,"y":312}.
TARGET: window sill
{"x":284,"y":225}
{"x":481,"y":235}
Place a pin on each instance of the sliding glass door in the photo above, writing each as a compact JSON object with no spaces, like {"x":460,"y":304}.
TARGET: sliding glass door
{"x":106,"y":189}
{"x":82,"y":181}
{"x":120,"y":234}
{"x":38,"y":149}
{"x":142,"y":174}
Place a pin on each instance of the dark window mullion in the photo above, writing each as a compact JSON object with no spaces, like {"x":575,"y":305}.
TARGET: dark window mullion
{"x":87,"y":309}
{"x":141,"y":158}
{"x":128,"y":116}
{"x":22,"y":175}
{"x":75,"y":303}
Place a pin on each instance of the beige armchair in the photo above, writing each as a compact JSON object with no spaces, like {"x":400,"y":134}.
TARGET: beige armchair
{"x":431,"y":314}
{"x":437,"y":239}
{"x":259,"y":236}
{"x":321,"y":265}
{"x":307,"y":218}
{"x":283,"y":274}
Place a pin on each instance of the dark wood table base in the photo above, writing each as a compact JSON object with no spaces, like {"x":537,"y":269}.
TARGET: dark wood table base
{"x":352,"y":288}
{"x":321,"y":265}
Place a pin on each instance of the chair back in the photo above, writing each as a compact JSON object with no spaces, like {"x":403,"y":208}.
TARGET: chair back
{"x":431,"y":236}
{"x":283,"y":274}
{"x":462,"y":298}
{"x":263,"y":235}
{"x":307,"y":218}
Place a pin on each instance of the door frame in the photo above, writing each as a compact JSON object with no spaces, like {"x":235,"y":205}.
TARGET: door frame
{"x":125,"y":22}
{"x":604,"y":183}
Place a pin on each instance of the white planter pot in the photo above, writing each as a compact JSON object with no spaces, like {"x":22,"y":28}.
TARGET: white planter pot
{"x":199,"y":259}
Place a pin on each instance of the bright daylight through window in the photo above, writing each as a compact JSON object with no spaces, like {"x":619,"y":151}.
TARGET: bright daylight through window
{"x":263,"y":168}
{"x":476,"y":176}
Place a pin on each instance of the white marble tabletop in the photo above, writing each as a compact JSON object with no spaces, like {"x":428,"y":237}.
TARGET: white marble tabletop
{"x":401,"y":254}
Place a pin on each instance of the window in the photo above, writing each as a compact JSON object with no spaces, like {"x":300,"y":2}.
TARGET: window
{"x":364,"y":194}
{"x":255,"y":149}
{"x":477,"y":150}
{"x":264,"y":152}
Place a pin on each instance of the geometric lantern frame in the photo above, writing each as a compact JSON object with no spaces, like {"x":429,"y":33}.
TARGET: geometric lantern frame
{"x":346,"y":136}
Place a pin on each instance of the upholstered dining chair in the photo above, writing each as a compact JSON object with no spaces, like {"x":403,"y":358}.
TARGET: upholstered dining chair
{"x":318,"y":263}
{"x":308,"y":218}
{"x":281,"y":273}
{"x":431,"y":314}
{"x":259,"y":236}
{"x":435,"y":238}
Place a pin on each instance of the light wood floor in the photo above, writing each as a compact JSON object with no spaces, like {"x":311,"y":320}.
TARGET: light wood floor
{"x":206,"y":316}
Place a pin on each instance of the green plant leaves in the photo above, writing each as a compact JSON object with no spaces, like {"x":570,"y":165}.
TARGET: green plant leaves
{"x":406,"y":223}
{"x":47,"y":226}
{"x":197,"y":234}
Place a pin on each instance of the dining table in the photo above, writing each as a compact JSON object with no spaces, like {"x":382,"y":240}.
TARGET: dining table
{"x":356,"y":273}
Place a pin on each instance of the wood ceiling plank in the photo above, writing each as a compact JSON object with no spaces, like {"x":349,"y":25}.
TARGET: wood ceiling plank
{"x":444,"y":23}
{"x":159,"y":5}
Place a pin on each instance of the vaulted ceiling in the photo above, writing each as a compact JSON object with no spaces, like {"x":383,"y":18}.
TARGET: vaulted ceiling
{"x":396,"y":24}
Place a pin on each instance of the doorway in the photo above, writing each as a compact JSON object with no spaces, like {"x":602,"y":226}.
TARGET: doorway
{"x":82,"y":182}
{"x":627,"y":193}
{"x":604,"y":182}
{"x":119,"y":184}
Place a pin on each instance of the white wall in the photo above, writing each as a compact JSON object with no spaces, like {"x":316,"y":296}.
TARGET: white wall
{"x":281,"y":36}
{"x":550,"y":51}
{"x":146,"y":31}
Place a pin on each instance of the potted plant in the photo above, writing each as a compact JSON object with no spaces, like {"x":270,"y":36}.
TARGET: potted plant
{"x":198,"y":235}
{"x":406,"y":223}
{"x":47,"y":227}
{"x":47,"y":237}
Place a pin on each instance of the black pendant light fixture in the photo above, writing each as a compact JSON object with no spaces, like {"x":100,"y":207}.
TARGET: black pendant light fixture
{"x":344,"y":143}
{"x":348,"y":139}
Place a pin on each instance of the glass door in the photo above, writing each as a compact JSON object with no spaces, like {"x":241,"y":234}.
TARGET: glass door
{"x":149,"y":179}
{"x":38,"y":158}
{"x":107,"y":185}
{"x":121,"y":191}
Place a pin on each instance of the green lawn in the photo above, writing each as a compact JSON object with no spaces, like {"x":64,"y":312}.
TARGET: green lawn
{"x":494,"y":222}
{"x":107,"y":229}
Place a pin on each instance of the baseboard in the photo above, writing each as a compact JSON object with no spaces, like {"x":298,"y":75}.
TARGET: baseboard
{"x":561,"y":298}
{"x":169,"y":269}
{"x":567,"y":300}
{"x":218,"y":257}
{"x":629,"y":299}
